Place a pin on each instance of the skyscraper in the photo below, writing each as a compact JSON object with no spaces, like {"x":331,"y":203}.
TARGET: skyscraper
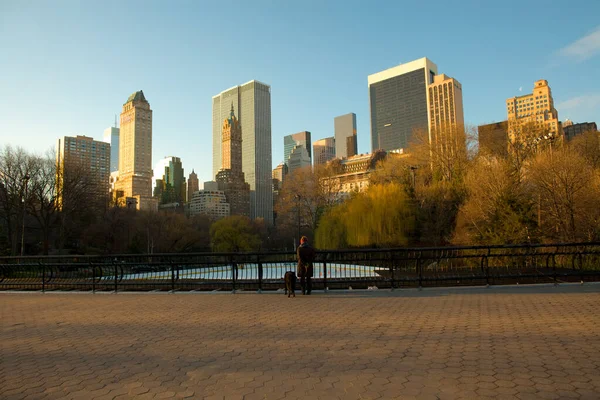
{"x":345,"y":127}
{"x":193,"y":185}
{"x":111,"y":136}
{"x":536,"y":108}
{"x":324,"y":150}
{"x":399,"y":103}
{"x":230,"y":178}
{"x":82,"y":163}
{"x":296,"y":151}
{"x":135,"y":153}
{"x":445,"y":103}
{"x":170,"y":184}
{"x":446,"y":117}
{"x":252,"y":101}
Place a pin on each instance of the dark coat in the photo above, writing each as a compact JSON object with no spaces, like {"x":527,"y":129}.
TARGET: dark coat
{"x":306,"y":256}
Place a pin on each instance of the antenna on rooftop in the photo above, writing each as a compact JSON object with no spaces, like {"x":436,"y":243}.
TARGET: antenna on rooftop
{"x":115,"y":120}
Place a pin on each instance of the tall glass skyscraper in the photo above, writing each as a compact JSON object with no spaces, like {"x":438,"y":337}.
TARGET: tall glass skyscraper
{"x":252,"y":102}
{"x":345,"y":127}
{"x":111,"y":135}
{"x":399,"y":102}
{"x":297,"y":151}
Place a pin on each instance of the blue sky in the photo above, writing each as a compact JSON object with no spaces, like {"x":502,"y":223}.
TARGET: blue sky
{"x":66,"y":67}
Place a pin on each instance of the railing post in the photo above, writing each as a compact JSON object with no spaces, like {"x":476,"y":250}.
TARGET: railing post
{"x":43,"y":277}
{"x":233,"y":275}
{"x":172,"y":277}
{"x":420,"y":270}
{"x":486,"y":271}
{"x":554,"y":268}
{"x":116,"y":277}
{"x":93,"y":277}
{"x":392,"y":272}
{"x":325,"y":288}
{"x":260,"y":273}
{"x":580,"y":257}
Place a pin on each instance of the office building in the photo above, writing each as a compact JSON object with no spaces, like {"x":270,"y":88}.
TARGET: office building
{"x":572,"y":130}
{"x":297,"y":151}
{"x":278,"y":175}
{"x":193,"y":185}
{"x":325,"y":150}
{"x":83,"y":172}
{"x":212,"y":203}
{"x":399,"y":103}
{"x":533,"y":110}
{"x":445,"y":104}
{"x":135,"y":154}
{"x":446,"y":119}
{"x":230,"y":178}
{"x":352,"y":174}
{"x":493,"y":138}
{"x":111,"y":136}
{"x":252,"y":101}
{"x":345,"y":135}
{"x":170,"y":185}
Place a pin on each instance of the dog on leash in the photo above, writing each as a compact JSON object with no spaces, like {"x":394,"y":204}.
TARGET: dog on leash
{"x":290,"y":283}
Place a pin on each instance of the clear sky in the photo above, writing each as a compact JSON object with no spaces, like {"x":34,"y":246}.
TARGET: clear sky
{"x":66,"y":67}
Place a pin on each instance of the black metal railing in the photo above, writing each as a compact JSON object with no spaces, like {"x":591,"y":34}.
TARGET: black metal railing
{"x":374,"y":268}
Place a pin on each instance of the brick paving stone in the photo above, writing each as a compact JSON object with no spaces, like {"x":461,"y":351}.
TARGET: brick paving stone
{"x":497,"y":343}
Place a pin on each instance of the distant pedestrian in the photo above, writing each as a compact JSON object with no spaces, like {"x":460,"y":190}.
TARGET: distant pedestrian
{"x":306,"y":256}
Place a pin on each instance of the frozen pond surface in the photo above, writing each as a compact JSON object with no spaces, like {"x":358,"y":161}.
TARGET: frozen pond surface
{"x":250,"y":272}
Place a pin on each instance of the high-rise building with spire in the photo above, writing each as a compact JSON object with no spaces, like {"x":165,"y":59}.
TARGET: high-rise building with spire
{"x":134,"y":183}
{"x":111,"y":136}
{"x":252,"y":102}
{"x":230,"y":177}
{"x":193,"y":185}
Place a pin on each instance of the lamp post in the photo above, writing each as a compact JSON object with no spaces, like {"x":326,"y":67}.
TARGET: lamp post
{"x":298,"y":197}
{"x":413,"y":170}
{"x":26,"y":180}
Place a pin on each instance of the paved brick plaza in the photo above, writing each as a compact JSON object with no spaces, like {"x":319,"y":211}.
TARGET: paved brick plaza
{"x":508,"y":342}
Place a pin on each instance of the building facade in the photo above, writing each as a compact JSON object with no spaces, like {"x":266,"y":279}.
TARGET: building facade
{"x":230,"y":178}
{"x":193,"y":185}
{"x":572,"y":130}
{"x":352,"y":174}
{"x":399,"y":103}
{"x":111,"y":136}
{"x":212,"y":203}
{"x":170,"y":185}
{"x":493,"y":138}
{"x":325,"y":150}
{"x":83,"y":172}
{"x":345,"y":136}
{"x":445,"y":104}
{"x":252,"y":101}
{"x":135,"y":153}
{"x":534,"y":109}
{"x":296,"y":149}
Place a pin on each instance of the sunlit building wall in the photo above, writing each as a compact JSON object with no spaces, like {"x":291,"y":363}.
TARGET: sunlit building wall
{"x":252,"y":102}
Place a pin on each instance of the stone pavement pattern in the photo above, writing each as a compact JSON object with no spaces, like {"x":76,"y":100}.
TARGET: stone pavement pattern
{"x":502,"y":343}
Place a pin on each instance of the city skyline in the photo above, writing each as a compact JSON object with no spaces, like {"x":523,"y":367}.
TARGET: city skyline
{"x":55,"y":54}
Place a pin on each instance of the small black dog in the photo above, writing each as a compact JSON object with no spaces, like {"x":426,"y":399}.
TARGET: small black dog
{"x":290,"y":283}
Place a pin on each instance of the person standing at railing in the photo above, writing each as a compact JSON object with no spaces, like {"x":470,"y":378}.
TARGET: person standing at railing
{"x":306,"y":256}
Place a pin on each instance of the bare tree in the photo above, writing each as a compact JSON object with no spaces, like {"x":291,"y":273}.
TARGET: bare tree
{"x":498,"y":208}
{"x":306,"y":194}
{"x":16,"y":167}
{"x":568,"y":192}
